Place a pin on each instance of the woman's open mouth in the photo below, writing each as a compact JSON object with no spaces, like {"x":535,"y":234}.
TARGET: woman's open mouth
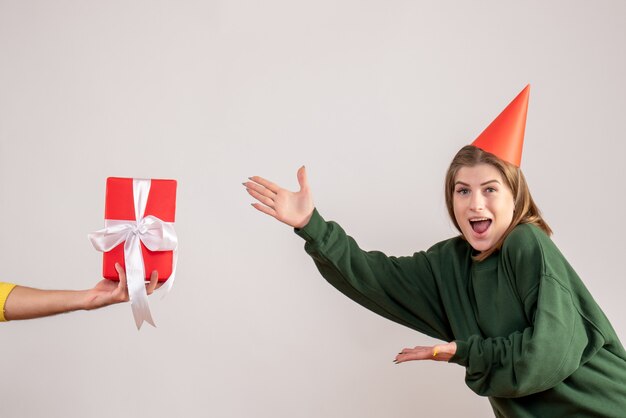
{"x":480,"y":225}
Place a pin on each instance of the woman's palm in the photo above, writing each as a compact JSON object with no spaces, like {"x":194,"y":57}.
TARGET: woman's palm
{"x":291,"y":208}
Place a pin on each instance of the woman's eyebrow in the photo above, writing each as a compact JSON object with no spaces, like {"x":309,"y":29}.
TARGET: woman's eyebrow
{"x":482,"y":184}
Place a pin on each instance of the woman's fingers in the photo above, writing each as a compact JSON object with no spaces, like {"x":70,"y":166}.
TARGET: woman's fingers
{"x":291,"y":208}
{"x":302,"y":180}
{"x":261,"y":198}
{"x":265,"y":183}
{"x":250,"y":185}
{"x":264,"y":209}
{"x":416,"y":353}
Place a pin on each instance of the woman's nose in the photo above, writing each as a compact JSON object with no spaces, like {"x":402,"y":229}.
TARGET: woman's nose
{"x":477,"y":202}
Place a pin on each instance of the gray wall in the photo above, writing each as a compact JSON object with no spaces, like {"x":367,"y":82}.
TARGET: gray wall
{"x":374,"y":97}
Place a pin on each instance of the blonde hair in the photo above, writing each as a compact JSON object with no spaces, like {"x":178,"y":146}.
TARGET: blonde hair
{"x":525,"y":211}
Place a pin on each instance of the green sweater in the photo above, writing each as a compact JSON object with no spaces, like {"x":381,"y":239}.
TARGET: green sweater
{"x":528,"y":332}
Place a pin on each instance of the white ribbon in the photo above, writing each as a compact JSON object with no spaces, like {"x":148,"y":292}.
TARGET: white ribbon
{"x":156,"y":235}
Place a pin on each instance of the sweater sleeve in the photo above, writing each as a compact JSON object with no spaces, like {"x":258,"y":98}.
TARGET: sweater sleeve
{"x":401,"y":289}
{"x":5,"y":290}
{"x":558,"y":340}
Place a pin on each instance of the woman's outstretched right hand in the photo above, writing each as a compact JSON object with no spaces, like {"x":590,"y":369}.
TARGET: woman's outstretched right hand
{"x":292,"y":208}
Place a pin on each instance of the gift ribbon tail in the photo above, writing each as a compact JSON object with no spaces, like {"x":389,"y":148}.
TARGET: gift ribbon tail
{"x":141,"y":313}
{"x":135,"y":275}
{"x":170,"y":281}
{"x":139,"y":300}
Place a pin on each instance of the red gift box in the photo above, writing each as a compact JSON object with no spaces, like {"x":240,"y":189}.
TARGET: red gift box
{"x":120,"y":205}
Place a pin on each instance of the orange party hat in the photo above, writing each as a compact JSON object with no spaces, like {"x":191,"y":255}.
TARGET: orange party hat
{"x":504,"y":137}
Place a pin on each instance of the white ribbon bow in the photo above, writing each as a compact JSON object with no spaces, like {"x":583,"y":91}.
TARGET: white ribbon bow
{"x":156,"y":235}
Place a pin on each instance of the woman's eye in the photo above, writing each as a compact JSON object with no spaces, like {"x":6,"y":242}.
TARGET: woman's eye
{"x":490,"y":190}
{"x":463,"y":191}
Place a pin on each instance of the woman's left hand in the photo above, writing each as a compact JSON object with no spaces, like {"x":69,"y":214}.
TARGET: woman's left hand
{"x":441,"y":352}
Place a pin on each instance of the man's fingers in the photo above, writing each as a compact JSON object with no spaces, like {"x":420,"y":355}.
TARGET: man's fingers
{"x":154,"y":279}
{"x":122,"y":274}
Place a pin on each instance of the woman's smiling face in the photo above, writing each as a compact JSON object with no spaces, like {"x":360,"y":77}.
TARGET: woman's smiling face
{"x":483,"y":205}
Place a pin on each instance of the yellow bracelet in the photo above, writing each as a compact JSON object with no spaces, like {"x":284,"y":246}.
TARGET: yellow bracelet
{"x":435,"y":352}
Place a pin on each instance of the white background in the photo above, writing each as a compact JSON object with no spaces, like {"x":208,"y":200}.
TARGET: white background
{"x":375,"y":97}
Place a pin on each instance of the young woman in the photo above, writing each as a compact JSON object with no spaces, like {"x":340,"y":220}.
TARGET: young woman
{"x":19,"y":302}
{"x":512,"y":310}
